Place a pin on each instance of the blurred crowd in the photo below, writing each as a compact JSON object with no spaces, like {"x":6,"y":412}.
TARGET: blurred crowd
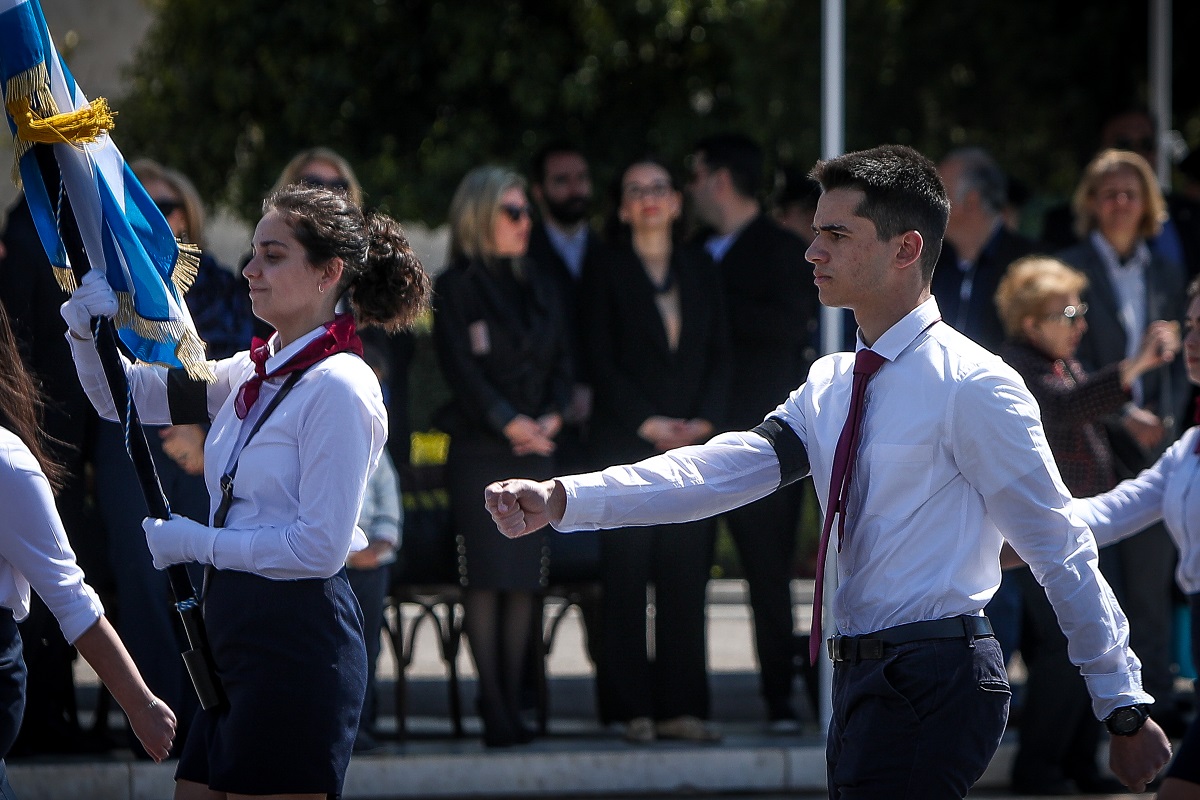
{"x":565,"y":344}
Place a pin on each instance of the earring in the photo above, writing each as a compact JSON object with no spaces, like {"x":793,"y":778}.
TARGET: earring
{"x":321,"y":288}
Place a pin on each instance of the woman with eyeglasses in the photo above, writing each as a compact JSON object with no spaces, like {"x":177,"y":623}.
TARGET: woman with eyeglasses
{"x":1119,"y":210}
{"x":1166,"y":492}
{"x":1044,"y":318}
{"x":655,"y":338}
{"x":500,"y":331}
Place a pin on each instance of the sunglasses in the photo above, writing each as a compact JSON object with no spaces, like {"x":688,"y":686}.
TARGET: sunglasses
{"x":654,"y":191}
{"x":168,"y":207}
{"x":337,"y":185}
{"x":515,"y":213}
{"x":1069,"y":315}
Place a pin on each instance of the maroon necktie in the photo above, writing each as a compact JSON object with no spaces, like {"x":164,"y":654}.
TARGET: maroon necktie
{"x":866,"y":364}
{"x":339,"y":335}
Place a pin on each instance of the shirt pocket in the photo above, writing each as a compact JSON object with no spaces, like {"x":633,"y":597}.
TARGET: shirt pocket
{"x":899,"y":479}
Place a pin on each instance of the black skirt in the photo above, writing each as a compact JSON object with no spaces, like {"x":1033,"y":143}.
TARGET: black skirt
{"x":292,"y":662}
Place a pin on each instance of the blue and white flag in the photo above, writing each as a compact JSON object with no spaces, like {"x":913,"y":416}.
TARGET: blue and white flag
{"x":125,"y":234}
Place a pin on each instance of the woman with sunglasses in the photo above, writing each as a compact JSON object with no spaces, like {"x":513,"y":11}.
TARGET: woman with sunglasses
{"x":655,"y":338}
{"x":1119,"y":209}
{"x":1044,"y":318}
{"x":500,"y":331}
{"x":1166,"y":492}
{"x":325,"y":168}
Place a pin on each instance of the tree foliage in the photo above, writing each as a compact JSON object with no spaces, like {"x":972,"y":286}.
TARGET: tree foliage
{"x":416,"y":92}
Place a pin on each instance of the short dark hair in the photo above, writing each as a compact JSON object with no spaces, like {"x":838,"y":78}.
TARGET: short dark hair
{"x":902,"y":192}
{"x":537,"y":167}
{"x":740,"y":155}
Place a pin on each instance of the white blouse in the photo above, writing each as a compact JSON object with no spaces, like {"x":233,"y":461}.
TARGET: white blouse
{"x":34,"y":547}
{"x":1169,"y":492}
{"x":300,"y":481}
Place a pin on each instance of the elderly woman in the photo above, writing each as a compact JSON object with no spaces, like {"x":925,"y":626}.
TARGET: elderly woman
{"x":1166,"y":492}
{"x":1044,"y":318}
{"x":502,"y":344}
{"x":1118,"y":209}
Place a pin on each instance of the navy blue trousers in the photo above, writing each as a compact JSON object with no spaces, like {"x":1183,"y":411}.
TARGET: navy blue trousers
{"x":922,"y":722}
{"x":12,"y":693}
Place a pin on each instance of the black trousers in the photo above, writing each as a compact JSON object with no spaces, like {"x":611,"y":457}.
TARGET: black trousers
{"x":923,"y":722}
{"x":765,"y":535}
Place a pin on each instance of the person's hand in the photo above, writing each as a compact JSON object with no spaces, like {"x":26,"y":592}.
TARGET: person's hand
{"x":179,"y":540}
{"x":1144,"y":426}
{"x":521,"y":506}
{"x":550,"y":424}
{"x":1137,"y":759}
{"x":93,"y":298}
{"x":664,"y":433}
{"x":185,"y":445}
{"x":698,"y":430}
{"x":527,"y":438}
{"x":154,"y":726}
{"x":1159,"y":346}
{"x":375,"y":554}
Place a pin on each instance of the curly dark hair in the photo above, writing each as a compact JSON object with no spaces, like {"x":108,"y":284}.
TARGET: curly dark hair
{"x":381,"y":275}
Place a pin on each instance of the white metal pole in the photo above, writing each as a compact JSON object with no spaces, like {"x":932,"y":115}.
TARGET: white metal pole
{"x":1160,"y":83}
{"x":833,"y":137}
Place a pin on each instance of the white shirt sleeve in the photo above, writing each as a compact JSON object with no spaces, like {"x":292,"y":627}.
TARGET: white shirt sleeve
{"x":1133,"y":505}
{"x":690,"y":483}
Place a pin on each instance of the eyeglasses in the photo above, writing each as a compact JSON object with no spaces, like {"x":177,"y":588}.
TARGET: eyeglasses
{"x":513,"y":212}
{"x":1069,"y":315}
{"x":168,"y":207}
{"x":337,"y":185}
{"x":655,"y":191}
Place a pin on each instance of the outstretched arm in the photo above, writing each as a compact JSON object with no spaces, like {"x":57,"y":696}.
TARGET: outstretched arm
{"x":151,"y":719}
{"x":521,"y":506}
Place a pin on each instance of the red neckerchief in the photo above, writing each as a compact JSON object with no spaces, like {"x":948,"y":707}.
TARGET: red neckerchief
{"x":339,"y":335}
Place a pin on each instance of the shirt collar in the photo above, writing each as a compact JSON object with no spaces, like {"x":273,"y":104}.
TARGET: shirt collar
{"x":280,"y":357}
{"x":896,"y":339}
{"x":1139,"y":259}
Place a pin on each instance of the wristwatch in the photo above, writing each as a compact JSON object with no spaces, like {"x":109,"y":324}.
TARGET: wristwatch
{"x":1127,"y":720}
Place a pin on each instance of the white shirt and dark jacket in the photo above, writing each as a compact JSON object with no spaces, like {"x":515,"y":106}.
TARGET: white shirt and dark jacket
{"x":952,"y":461}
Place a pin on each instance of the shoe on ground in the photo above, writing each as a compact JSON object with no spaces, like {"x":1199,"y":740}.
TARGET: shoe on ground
{"x":686,"y":728}
{"x":640,"y":730}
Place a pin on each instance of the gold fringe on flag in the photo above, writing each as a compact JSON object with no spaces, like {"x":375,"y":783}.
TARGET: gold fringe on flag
{"x":65,"y":278}
{"x":77,"y":127}
{"x":190,"y":347}
{"x":33,"y":86}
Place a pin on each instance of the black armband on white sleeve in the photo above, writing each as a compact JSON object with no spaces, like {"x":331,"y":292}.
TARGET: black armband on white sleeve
{"x":793,"y":458}
{"x":187,"y":398}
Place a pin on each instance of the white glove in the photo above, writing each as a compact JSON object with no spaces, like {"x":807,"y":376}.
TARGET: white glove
{"x":179,"y":540}
{"x":93,"y":298}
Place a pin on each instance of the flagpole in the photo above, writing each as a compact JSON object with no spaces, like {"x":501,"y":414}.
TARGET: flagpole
{"x":198,"y":656}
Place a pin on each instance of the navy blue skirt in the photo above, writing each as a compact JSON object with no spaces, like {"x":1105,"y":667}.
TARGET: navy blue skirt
{"x":291,"y":659}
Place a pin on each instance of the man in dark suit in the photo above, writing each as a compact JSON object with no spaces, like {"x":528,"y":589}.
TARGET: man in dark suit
{"x":966,"y":285}
{"x":773,"y":312}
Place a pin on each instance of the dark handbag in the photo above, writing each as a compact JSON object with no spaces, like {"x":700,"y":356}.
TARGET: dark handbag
{"x":428,"y":553}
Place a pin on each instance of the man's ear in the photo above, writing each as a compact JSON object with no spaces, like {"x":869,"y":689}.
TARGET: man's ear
{"x":909,"y":249}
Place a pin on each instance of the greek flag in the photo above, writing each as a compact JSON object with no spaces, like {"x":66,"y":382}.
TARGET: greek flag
{"x":125,"y":235}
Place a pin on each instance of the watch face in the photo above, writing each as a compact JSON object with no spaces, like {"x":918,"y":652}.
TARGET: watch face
{"x":1125,"y":721}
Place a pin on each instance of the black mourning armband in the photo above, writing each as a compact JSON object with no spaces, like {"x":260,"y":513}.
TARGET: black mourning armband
{"x":187,"y":398}
{"x":793,"y":458}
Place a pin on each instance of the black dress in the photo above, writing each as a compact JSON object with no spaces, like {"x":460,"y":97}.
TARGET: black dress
{"x":503,"y":348}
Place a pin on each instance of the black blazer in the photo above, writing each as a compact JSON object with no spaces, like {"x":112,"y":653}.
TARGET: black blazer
{"x":773,"y":317}
{"x":501,"y":344}
{"x":543,"y":252}
{"x":1165,"y":390}
{"x":981,"y":321}
{"x":634,"y":373}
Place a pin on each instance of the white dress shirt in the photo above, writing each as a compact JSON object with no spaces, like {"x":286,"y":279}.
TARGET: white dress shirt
{"x":300,"y":481}
{"x":952,"y":460}
{"x":1168,"y":492}
{"x":34,"y":547}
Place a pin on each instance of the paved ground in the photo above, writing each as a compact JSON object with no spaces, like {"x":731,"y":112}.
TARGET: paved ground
{"x":578,"y":759}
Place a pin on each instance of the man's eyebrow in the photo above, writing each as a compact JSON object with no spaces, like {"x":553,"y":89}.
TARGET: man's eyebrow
{"x":830,"y":227}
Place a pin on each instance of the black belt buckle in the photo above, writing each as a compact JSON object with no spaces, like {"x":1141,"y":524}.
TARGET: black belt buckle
{"x":853,"y":649}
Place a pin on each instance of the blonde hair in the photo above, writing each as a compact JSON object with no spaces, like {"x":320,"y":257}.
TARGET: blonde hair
{"x":147,"y":169}
{"x":294,"y":170}
{"x":474,"y":207}
{"x":1106,"y":163}
{"x":1026,"y":286}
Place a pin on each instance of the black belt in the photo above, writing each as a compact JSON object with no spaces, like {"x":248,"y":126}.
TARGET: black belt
{"x":871,"y":645}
